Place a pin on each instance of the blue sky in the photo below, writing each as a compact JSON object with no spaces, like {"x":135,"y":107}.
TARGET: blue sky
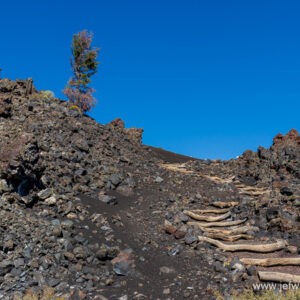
{"x":208,"y":79}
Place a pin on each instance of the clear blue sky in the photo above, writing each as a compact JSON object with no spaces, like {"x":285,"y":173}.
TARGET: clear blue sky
{"x":204,"y":78}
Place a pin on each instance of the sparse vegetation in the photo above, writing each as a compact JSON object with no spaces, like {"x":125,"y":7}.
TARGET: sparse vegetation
{"x":75,"y":107}
{"x":45,"y":293}
{"x":46,"y":95}
{"x":249,"y":294}
{"x":269,"y":295}
{"x":84,"y":65}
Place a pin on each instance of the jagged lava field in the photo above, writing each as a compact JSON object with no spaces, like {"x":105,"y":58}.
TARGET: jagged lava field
{"x":89,"y":212}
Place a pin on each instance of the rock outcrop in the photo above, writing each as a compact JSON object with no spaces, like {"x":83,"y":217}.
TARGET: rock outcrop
{"x":45,"y":144}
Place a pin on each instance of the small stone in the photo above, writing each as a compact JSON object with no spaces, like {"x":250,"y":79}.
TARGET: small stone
{"x":39,"y":278}
{"x":122,"y":268}
{"x":190,"y":239}
{"x":175,"y":250}
{"x":296,"y":203}
{"x":76,"y":293}
{"x":79,"y":252}
{"x":109,"y":281}
{"x":19,"y":262}
{"x":105,"y":252}
{"x":272,"y":213}
{"x":238,"y":266}
{"x":125,"y":190}
{"x":72,"y":216}
{"x":221,"y":258}
{"x":27,"y":252}
{"x":169,"y":228}
{"x":34,"y":263}
{"x":16,"y":272}
{"x":3,"y":186}
{"x":99,"y":297}
{"x":251,"y":271}
{"x":8,"y":197}
{"x":286,"y":191}
{"x":123,"y":264}
{"x":115,"y":179}
{"x":179,"y":234}
{"x":274,"y":222}
{"x":44,"y":194}
{"x":51,"y":200}
{"x":102,"y":253}
{"x":237,"y":275}
{"x":53,"y":282}
{"x":167,"y":291}
{"x":186,"y":294}
{"x":80,"y":238}
{"x":9,"y":245}
{"x":219,"y":267}
{"x":166,"y":270}
{"x":180,"y":217}
{"x":158,"y":179}
{"x":107,"y":199}
{"x":235,"y":263}
{"x":172,"y":199}
{"x":57,"y":231}
{"x":292,"y":249}
{"x":5,"y":266}
{"x":67,"y":224}
{"x":69,"y":256}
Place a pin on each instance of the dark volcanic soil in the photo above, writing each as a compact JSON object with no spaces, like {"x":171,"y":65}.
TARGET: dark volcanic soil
{"x":88,"y":212}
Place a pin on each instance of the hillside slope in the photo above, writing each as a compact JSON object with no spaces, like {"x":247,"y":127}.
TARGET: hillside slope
{"x":89,"y":212}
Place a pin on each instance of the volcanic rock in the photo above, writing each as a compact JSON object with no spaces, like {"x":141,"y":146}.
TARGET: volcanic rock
{"x":58,"y":171}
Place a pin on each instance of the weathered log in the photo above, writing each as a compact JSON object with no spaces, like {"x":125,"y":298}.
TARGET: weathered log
{"x":207,"y":218}
{"x":278,"y":277}
{"x":237,"y":230}
{"x":268,"y":262}
{"x":210,"y":211}
{"x":263,"y":248}
{"x":218,"y":224}
{"x":228,"y":238}
{"x":222,"y":204}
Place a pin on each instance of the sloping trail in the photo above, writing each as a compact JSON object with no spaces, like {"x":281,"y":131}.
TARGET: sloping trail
{"x":242,"y":188}
{"x":275,"y":251}
{"x":177,"y":167}
{"x":270,"y":254}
